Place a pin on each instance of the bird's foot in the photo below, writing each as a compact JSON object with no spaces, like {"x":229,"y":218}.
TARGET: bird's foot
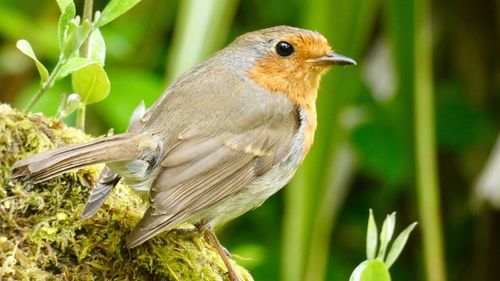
{"x":223,"y":252}
{"x":185,"y":232}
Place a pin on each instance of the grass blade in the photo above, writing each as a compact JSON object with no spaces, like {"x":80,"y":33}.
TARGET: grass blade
{"x":202,"y":28}
{"x":425,"y":141}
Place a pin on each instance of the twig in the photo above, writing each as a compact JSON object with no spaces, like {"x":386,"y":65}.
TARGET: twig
{"x":45,"y":86}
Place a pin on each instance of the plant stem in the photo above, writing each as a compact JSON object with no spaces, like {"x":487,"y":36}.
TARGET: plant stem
{"x":87,"y":15}
{"x":293,"y":250}
{"x":342,"y":167}
{"x":45,"y":86}
{"x":80,"y":118}
{"x":85,"y":52}
{"x":203,"y":25}
{"x":427,"y":178}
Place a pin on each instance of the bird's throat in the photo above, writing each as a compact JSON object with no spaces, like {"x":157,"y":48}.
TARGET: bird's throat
{"x":301,"y":87}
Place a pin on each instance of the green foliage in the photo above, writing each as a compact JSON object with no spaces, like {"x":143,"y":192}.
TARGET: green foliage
{"x":89,"y":78}
{"x":371,"y":237}
{"x":386,"y":234}
{"x":91,"y":83}
{"x":74,"y":40}
{"x":371,"y":270}
{"x":398,"y":245}
{"x":114,"y":9}
{"x":97,"y":46}
{"x":65,"y":25}
{"x":377,"y":269}
{"x":65,"y":4}
{"x":25,"y":47}
{"x":73,"y":64}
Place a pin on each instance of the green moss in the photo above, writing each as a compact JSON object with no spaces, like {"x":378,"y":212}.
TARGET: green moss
{"x":42,"y":237}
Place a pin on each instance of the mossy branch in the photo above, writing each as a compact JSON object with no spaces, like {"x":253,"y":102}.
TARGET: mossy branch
{"x":42,"y":237}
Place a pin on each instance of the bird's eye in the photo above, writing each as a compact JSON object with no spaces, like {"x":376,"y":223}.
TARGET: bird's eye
{"x":284,"y":49}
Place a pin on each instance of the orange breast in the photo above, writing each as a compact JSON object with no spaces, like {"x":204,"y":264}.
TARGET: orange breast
{"x":299,"y":83}
{"x":310,"y":129}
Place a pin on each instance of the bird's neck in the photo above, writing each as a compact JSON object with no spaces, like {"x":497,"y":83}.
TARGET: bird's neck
{"x":300,"y":87}
{"x":304,"y":95}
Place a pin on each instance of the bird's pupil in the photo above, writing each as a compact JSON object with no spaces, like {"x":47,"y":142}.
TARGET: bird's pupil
{"x":284,"y":49}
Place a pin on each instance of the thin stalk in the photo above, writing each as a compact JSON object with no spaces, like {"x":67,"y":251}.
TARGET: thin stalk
{"x":202,"y":26}
{"x":342,"y":168}
{"x":87,"y":15}
{"x":80,"y":118}
{"x":45,"y":86}
{"x":294,"y":233}
{"x":84,"y":52}
{"x":427,"y":178}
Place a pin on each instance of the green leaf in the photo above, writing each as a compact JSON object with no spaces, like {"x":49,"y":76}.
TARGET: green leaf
{"x":398,"y":245}
{"x":356,"y":274}
{"x":91,"y":83}
{"x":114,"y":9}
{"x":371,"y":270}
{"x":64,"y":4}
{"x":73,"y":64}
{"x":25,"y":47}
{"x":97,"y":46}
{"x":76,"y":38}
{"x":371,"y":237}
{"x":62,"y":26}
{"x":386,"y":234}
{"x":68,"y":13}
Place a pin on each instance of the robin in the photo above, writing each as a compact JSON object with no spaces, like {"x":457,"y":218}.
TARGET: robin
{"x":223,"y":138}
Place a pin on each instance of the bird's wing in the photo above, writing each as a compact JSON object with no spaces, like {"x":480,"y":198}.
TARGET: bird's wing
{"x":200,"y":171}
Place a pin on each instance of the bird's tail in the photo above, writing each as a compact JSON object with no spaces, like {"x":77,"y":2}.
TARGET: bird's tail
{"x":48,"y":164}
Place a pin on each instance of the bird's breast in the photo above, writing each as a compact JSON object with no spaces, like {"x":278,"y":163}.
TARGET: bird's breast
{"x":310,"y":124}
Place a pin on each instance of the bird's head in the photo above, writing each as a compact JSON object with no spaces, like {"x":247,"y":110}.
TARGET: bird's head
{"x":288,"y":60}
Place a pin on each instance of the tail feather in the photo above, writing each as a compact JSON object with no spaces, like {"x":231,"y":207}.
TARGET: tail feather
{"x":49,"y":164}
{"x":106,"y":182}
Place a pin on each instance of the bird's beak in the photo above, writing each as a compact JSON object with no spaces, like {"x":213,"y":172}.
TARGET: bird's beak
{"x":332,"y":58}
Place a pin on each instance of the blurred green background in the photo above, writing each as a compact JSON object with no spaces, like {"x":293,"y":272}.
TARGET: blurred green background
{"x":410,"y":129}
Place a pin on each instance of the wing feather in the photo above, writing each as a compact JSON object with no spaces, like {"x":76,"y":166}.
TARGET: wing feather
{"x":200,"y":171}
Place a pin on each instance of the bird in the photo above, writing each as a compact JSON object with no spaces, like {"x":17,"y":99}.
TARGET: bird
{"x":221,"y":139}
